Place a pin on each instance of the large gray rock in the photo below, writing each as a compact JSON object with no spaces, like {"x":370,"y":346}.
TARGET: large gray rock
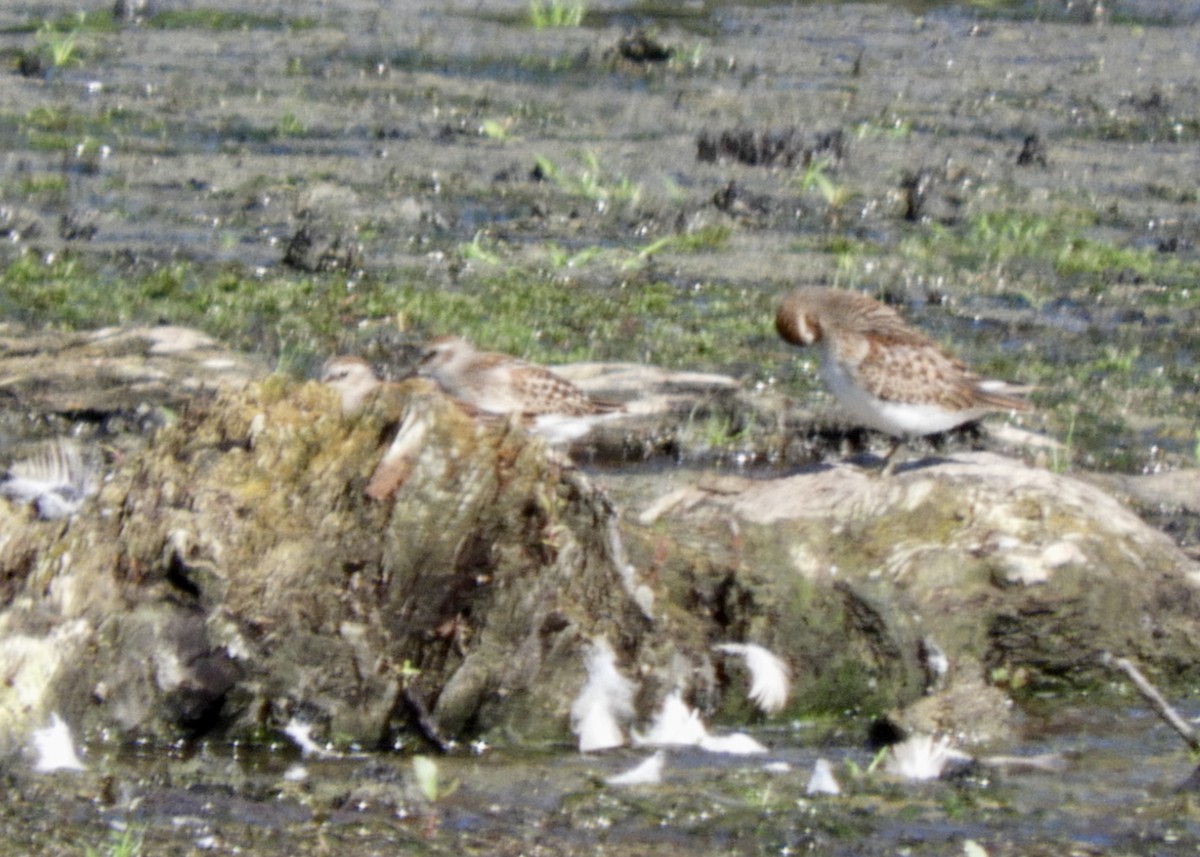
{"x":1020,"y":577}
{"x":113,"y":385}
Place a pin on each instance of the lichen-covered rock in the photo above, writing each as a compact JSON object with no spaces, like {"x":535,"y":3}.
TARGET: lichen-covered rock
{"x":236,"y":574}
{"x":115,"y":369}
{"x":1017,"y":575}
{"x":409,"y":570}
{"x":113,"y":386}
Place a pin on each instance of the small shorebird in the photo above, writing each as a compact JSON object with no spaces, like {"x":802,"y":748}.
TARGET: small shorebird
{"x":500,"y":385}
{"x":353,"y":379}
{"x":887,"y":375}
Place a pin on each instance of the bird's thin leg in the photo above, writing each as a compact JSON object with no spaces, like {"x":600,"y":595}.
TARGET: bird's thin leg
{"x":889,"y":457}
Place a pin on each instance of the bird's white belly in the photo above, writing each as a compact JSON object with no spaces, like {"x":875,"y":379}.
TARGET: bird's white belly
{"x":895,"y":418}
{"x":560,"y":428}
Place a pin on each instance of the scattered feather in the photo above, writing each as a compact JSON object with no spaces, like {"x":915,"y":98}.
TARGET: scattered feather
{"x":295,"y":774}
{"x":822,"y":781}
{"x":935,"y":662}
{"x":770,"y":681}
{"x":641,"y":594}
{"x":971,"y":848}
{"x":1048,"y":763}
{"x":734,"y":744}
{"x":921,"y":757}
{"x":604,"y":703}
{"x":647,"y":772}
{"x":596,"y":727}
{"x":301,"y":735}
{"x":674,"y":725}
{"x":54,"y":749}
{"x":56,"y":479}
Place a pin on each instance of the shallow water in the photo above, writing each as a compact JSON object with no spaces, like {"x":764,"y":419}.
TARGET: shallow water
{"x":1116,"y":794}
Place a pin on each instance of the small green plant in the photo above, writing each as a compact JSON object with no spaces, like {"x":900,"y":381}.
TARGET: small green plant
{"x":1115,"y":359}
{"x":689,"y":58}
{"x":850,"y":256}
{"x":877,"y":760}
{"x":1011,"y":679}
{"x":495,"y":129}
{"x":1013,"y":233}
{"x":713,"y":433}
{"x":407,"y":671}
{"x":1060,"y":457}
{"x":561,"y":257}
{"x":889,"y":128}
{"x":428,"y":779}
{"x":815,"y":177}
{"x":480,"y":249}
{"x":124,"y":843}
{"x":591,"y":182}
{"x":51,"y":184}
{"x":290,"y":125}
{"x":61,"y":45}
{"x":427,"y":775}
{"x":706,"y":238}
{"x":544,"y":14}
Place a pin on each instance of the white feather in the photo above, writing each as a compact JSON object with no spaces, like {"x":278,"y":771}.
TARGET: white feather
{"x":770,"y":681}
{"x":646,"y":772}
{"x":734,"y":744}
{"x":677,"y":725}
{"x":674,"y":725}
{"x":921,"y":757}
{"x":301,"y":735}
{"x":54,"y":748}
{"x":604,"y":703}
{"x":822,"y":781}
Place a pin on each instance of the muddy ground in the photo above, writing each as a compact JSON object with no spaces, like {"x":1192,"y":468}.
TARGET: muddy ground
{"x":1021,"y":181}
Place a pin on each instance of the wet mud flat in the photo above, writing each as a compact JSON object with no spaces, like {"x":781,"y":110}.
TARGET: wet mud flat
{"x":1024,"y":186}
{"x":306,"y":178}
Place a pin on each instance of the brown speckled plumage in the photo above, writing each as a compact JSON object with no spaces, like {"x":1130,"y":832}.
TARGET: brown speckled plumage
{"x":888,"y":375}
{"x":500,"y":384}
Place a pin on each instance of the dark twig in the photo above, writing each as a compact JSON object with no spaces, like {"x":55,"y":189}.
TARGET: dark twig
{"x":1150,"y":693}
{"x":424,"y":721}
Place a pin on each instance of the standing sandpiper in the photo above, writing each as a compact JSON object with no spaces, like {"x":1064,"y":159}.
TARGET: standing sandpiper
{"x":887,"y":375}
{"x":500,"y":385}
